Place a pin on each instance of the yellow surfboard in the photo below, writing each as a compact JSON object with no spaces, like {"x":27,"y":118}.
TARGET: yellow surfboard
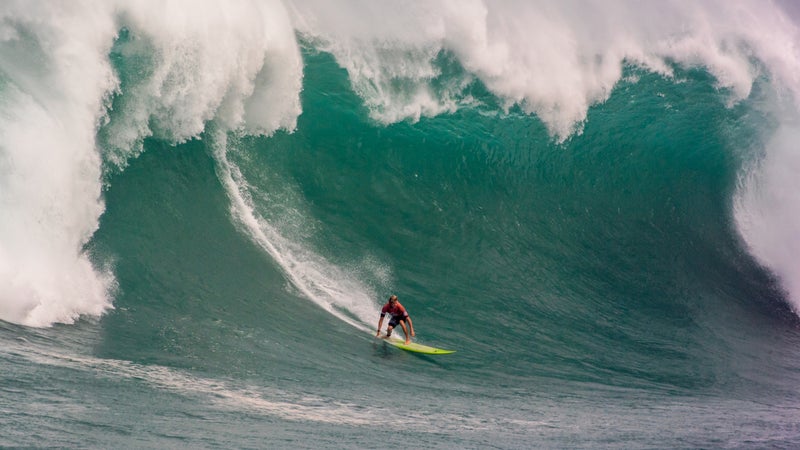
{"x":416,"y":348}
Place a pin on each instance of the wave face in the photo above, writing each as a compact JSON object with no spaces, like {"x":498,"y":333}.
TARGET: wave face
{"x":592,"y":202}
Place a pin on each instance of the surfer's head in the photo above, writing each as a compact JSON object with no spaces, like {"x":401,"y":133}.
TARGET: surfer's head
{"x":393,"y":299}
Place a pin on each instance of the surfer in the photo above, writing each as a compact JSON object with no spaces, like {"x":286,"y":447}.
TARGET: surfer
{"x":398,"y":315}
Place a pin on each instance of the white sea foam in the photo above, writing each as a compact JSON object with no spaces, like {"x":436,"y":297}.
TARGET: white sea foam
{"x":230,"y":396}
{"x":236,"y":63}
{"x":55,"y":77}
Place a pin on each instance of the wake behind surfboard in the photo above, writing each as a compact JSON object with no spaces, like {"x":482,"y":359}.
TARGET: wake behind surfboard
{"x":416,"y":348}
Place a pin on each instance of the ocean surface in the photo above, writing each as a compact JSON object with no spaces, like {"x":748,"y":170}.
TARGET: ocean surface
{"x":204,"y":204}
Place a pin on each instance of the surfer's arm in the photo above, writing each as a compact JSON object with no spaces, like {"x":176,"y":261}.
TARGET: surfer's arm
{"x":410,"y":325}
{"x":380,"y":324}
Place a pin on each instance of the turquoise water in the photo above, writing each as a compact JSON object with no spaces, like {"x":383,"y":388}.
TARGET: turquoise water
{"x":600,"y":287}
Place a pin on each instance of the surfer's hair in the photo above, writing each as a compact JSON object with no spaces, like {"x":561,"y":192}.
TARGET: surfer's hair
{"x":392,"y":297}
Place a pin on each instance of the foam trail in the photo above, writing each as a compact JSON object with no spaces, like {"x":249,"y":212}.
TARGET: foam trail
{"x":53,"y":80}
{"x":320,"y":281}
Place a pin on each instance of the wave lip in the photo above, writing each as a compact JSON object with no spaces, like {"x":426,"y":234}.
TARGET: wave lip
{"x":551,"y":59}
{"x":767,"y":210}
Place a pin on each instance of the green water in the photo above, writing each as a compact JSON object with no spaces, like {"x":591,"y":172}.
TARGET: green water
{"x":596,"y":289}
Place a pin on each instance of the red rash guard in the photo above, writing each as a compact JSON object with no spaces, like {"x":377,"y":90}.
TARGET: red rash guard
{"x":396,"y":311}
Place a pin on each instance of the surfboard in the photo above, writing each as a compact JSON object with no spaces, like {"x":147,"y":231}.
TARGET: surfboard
{"x":417,"y":348}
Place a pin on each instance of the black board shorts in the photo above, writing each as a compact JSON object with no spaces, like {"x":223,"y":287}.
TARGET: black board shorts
{"x":394,"y":321}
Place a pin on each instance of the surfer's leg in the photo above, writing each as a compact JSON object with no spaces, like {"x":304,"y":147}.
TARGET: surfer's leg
{"x":405,"y":330}
{"x":391,"y":326}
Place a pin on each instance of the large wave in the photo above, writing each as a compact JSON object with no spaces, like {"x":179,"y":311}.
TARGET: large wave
{"x":83,"y":83}
{"x":236,"y":63}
